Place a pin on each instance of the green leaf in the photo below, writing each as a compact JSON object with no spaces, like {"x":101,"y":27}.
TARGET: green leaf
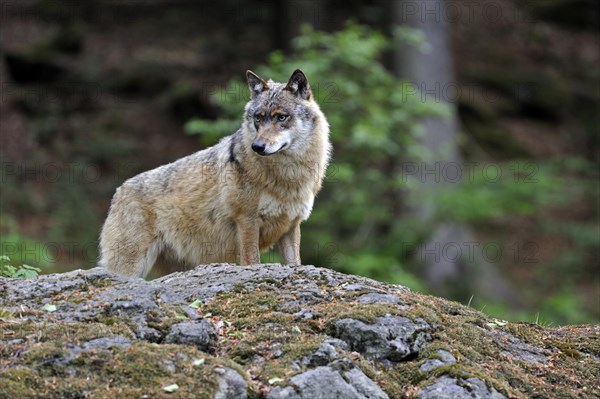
{"x":49,"y":308}
{"x":198,"y":362}
{"x":236,"y":334}
{"x":196,"y":304}
{"x":27,"y":267}
{"x":171,"y":388}
{"x":497,"y":323}
{"x":296,"y":329}
{"x":24,"y":273}
{"x":8,"y":271}
{"x":274,"y":380}
{"x":4,"y":258}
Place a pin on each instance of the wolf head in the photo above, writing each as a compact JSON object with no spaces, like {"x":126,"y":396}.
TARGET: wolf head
{"x":280,"y":117}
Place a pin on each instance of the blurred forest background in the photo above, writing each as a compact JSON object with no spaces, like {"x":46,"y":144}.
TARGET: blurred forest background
{"x":465,"y":132}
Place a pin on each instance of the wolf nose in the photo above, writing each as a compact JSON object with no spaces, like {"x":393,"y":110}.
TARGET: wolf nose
{"x":259,"y":146}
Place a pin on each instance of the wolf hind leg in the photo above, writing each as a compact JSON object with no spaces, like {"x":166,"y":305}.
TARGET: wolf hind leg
{"x":128,"y":243}
{"x":134,"y":259}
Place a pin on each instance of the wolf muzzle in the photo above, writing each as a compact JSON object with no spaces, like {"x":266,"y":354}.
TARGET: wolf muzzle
{"x":259,"y":146}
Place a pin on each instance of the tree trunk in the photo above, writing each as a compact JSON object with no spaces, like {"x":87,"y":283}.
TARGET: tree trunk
{"x":432,"y":72}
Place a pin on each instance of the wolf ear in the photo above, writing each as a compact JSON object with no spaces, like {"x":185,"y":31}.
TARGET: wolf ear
{"x":256,"y":84}
{"x":298,"y":85}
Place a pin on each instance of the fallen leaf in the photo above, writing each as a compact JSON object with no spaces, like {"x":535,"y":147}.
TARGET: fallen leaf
{"x":171,"y":388}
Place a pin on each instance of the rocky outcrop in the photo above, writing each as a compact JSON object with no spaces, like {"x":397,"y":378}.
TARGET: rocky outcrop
{"x":273,"y":331}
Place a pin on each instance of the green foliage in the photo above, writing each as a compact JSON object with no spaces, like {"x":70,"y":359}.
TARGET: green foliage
{"x":515,"y":188}
{"x":23,"y":271}
{"x":21,"y":249}
{"x":562,"y":307}
{"x":72,"y":216}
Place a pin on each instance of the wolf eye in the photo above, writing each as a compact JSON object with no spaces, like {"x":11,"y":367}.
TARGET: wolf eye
{"x":257,"y":118}
{"x":281,"y":118}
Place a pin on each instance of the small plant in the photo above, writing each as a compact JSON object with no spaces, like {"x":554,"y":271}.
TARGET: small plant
{"x":23,"y":271}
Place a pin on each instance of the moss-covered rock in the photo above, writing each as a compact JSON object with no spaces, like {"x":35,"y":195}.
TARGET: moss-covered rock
{"x":272,"y":331}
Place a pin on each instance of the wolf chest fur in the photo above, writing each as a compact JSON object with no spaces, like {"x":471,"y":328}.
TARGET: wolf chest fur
{"x":229,"y":202}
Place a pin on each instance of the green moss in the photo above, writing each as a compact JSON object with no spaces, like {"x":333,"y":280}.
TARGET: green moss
{"x":69,"y":332}
{"x":5,"y":313}
{"x":242,"y":353}
{"x":141,"y":369}
{"x":239,"y":303}
{"x":48,"y":359}
{"x":108,"y":320}
{"x":19,"y":382}
{"x":102,"y":282}
{"x":163,"y":318}
{"x":455,"y":370}
{"x":292,"y":350}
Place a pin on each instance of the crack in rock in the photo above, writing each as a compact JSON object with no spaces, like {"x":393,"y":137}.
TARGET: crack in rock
{"x":394,"y":338}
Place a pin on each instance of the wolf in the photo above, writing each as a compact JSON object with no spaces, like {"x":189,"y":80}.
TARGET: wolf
{"x":229,"y":202}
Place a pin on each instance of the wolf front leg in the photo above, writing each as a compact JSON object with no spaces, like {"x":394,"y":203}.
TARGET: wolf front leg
{"x":248,"y":235}
{"x":289,"y":246}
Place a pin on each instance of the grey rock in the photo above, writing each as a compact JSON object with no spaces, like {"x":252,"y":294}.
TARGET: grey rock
{"x":132,"y":298}
{"x":103,"y":343}
{"x":338,"y":344}
{"x":305,"y":314}
{"x":360,"y":287}
{"x":296,"y":366}
{"x":94,"y":344}
{"x":230,"y":384}
{"x":431,"y":365}
{"x":283,"y":393}
{"x":325,"y":353}
{"x":451,"y":388}
{"x":25,"y":290}
{"x":326,"y":382}
{"x":322,"y":356}
{"x":364,"y":385}
{"x":302,"y":298}
{"x":322,"y":382}
{"x":514,"y":348}
{"x":206,"y":281}
{"x":378,"y":298}
{"x":445,"y":359}
{"x":200,"y":333}
{"x":111,"y":295}
{"x":390,"y":337}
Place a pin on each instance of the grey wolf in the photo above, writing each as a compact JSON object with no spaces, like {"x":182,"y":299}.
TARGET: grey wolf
{"x":229,"y":202}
